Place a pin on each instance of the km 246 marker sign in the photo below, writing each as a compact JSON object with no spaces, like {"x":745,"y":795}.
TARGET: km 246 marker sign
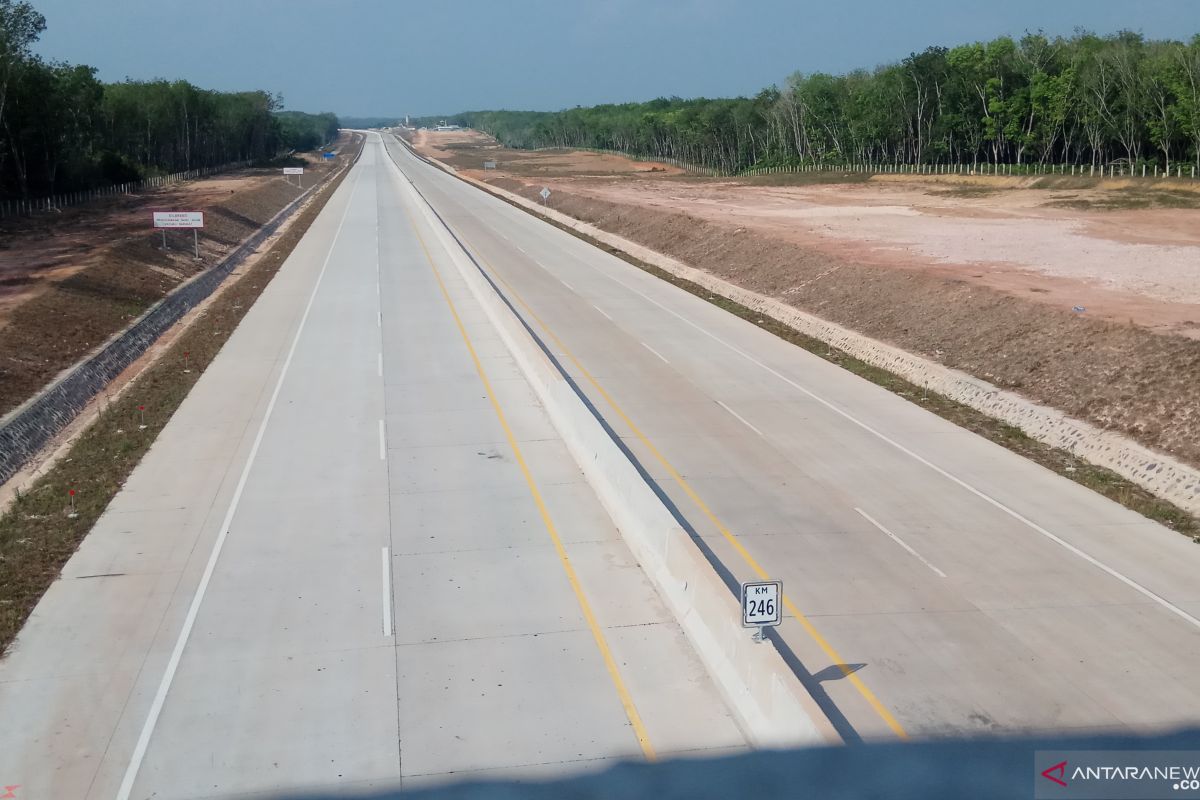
{"x":762,"y":604}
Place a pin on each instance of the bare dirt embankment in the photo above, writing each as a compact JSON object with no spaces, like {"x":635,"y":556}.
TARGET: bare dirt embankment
{"x":980,"y":274}
{"x":70,"y":280}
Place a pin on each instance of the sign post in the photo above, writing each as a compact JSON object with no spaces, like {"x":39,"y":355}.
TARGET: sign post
{"x":298,"y":172}
{"x":180,"y":219}
{"x":762,"y":606}
{"x":545,"y":193}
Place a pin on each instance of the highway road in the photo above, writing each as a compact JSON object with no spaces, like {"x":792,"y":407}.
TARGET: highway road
{"x":937,"y":583}
{"x":358,"y":556}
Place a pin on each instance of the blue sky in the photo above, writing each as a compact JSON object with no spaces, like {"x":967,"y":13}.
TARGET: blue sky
{"x":373,"y":57}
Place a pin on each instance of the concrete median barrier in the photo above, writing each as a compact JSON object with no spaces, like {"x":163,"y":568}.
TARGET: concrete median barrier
{"x":773,"y":707}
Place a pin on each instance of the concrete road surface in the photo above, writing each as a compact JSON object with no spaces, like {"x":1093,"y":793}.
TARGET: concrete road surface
{"x":937,"y":583}
{"x":358,"y":556}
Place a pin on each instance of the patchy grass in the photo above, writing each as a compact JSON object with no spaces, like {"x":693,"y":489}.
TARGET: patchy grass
{"x":1116,"y":183}
{"x":1099,"y":479}
{"x":39,"y":534}
{"x":1066,"y":182}
{"x":1123,"y":199}
{"x":800,"y":178}
{"x":968,"y":191}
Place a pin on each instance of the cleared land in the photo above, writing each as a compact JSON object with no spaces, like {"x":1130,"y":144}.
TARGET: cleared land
{"x":980,"y":274}
{"x":70,"y":280}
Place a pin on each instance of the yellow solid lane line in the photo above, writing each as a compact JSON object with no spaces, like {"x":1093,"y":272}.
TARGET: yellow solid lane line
{"x":610,"y":663}
{"x":879,"y":708}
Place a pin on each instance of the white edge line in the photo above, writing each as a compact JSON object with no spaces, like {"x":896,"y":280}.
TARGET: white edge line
{"x":601,"y":310}
{"x":160,"y":697}
{"x":1162,"y":601}
{"x":652,"y":350}
{"x":899,"y":541}
{"x":387,"y":592}
{"x":382,"y":441}
{"x":740,"y":418}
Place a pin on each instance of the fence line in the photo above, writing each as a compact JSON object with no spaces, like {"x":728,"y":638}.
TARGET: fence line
{"x":12,"y":208}
{"x":702,"y":169}
{"x":1176,"y":171}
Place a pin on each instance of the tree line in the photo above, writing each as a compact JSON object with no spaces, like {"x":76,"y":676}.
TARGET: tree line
{"x":1084,"y":99}
{"x":61,"y":129}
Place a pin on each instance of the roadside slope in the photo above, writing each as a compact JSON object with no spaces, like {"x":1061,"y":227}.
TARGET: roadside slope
{"x":71,"y":280}
{"x":907,"y":262}
{"x":1119,"y":380}
{"x":46,"y":523}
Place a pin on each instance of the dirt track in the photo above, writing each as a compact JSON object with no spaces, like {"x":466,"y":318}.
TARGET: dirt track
{"x":981,"y":275}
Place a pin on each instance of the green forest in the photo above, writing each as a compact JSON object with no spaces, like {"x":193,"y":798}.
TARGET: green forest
{"x":1086,"y":99}
{"x":62,"y":130}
